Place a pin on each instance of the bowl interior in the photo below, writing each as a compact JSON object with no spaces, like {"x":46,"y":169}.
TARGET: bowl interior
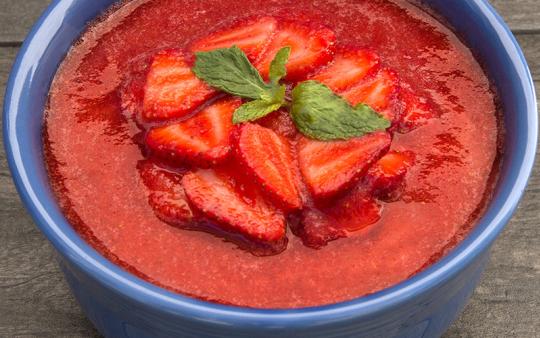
{"x":63,"y":22}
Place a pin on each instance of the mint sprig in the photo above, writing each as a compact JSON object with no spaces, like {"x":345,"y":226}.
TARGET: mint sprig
{"x":278,"y":68}
{"x":321,"y":114}
{"x":316,"y":110}
{"x":254,"y":110}
{"x":229,"y":70}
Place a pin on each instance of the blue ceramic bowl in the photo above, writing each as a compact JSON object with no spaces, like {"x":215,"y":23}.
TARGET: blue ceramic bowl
{"x":122,"y":305}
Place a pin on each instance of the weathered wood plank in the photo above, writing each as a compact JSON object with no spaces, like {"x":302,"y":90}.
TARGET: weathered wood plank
{"x":18,"y":16}
{"x":530,"y":43}
{"x":521,"y":15}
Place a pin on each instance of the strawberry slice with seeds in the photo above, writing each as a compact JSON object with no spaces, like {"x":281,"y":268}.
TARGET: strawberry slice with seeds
{"x":378,"y":91}
{"x":331,"y":167}
{"x":350,"y":213}
{"x":268,"y":158}
{"x":281,"y":122}
{"x":171,"y":89}
{"x":166,"y":194}
{"x":233,"y":207}
{"x":311,"y":48}
{"x":416,"y":111}
{"x":202,"y":140}
{"x":251,"y":36}
{"x":349,"y":67}
{"x":387,"y":174}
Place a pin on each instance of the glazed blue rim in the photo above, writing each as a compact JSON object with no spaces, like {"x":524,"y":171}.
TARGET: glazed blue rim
{"x":72,"y":247}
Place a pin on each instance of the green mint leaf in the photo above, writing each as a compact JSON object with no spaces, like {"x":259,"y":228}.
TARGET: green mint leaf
{"x":256,"y":109}
{"x":323,"y":115}
{"x":277,"y":68}
{"x":229,"y":70}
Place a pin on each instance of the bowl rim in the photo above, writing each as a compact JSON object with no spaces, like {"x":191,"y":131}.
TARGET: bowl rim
{"x":77,"y":251}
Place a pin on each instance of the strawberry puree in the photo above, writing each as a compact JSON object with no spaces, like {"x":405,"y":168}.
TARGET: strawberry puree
{"x":92,"y":154}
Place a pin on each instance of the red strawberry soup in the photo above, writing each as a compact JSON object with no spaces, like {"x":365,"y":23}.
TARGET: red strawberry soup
{"x":272,"y":154}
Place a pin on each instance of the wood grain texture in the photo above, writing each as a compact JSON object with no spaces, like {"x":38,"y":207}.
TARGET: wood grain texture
{"x":523,"y":16}
{"x":35,"y":301}
{"x":530,"y":43}
{"x":16,"y":18}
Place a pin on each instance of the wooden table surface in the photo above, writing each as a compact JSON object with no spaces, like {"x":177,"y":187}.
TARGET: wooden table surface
{"x":35,"y":301}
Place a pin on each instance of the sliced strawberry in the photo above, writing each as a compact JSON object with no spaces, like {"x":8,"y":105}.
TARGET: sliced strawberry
{"x":233,"y":208}
{"x":378,"y":91}
{"x":387,"y":174}
{"x":416,"y":111}
{"x":281,"y":122}
{"x":331,"y":167}
{"x":349,"y":67}
{"x":132,"y":89}
{"x":201,"y":140}
{"x":166,"y":194}
{"x":171,"y":89}
{"x":251,"y":36}
{"x":311,"y":48}
{"x":132,"y":93}
{"x":351,"y":213}
{"x":267,"y":157}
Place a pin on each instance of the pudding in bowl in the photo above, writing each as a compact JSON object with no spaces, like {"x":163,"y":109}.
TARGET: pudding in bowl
{"x":153,"y":168}
{"x":121,"y":304}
